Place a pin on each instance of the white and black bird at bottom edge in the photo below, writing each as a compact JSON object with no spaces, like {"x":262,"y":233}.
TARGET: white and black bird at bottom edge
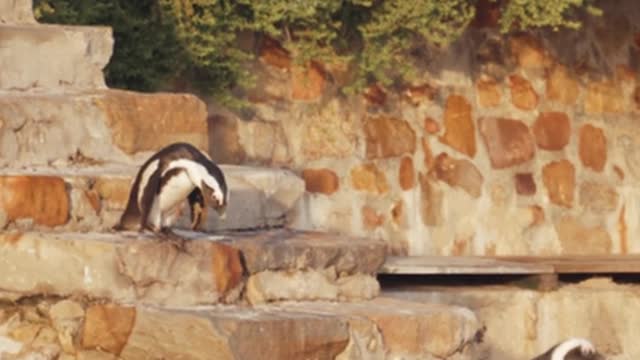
{"x":177,"y":172}
{"x":571,"y":349}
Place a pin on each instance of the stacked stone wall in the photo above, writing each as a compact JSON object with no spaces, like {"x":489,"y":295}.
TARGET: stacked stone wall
{"x":504,"y":145}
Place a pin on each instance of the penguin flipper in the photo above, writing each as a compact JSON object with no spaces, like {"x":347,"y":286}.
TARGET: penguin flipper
{"x":149,"y":194}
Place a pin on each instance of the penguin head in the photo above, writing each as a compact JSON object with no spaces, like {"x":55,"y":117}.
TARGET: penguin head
{"x":215,"y":198}
{"x":209,"y":178}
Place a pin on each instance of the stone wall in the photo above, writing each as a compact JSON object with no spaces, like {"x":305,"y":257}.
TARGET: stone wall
{"x":519,"y":144}
{"x":535,"y":320}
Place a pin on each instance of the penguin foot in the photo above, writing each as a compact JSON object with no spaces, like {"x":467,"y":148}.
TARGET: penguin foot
{"x":117,"y":228}
{"x":166,"y":234}
{"x":174,"y":239}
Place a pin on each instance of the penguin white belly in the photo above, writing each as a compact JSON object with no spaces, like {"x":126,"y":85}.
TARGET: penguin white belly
{"x":170,"y":217}
{"x":172,"y":194}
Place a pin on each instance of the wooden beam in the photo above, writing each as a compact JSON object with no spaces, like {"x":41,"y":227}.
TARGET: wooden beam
{"x":572,"y":264}
{"x":459,"y":265}
{"x":511,"y":265}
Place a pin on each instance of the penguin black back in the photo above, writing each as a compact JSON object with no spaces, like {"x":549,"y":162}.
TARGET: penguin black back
{"x":571,"y":349}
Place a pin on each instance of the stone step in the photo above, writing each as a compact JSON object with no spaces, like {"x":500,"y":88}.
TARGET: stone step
{"x":93,"y":198}
{"x":604,"y":310}
{"x":378,"y":329}
{"x":39,"y":56}
{"x":40,"y":128}
{"x":16,"y":12}
{"x":128,"y":267}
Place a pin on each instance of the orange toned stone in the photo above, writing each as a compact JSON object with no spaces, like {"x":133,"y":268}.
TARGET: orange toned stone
{"x":460,"y":173}
{"x":619,"y":172}
{"x":460,"y":246}
{"x":369,"y":178}
{"x":523,"y":96}
{"x":508,"y":141}
{"x":323,"y":181}
{"x":388,"y":137}
{"x":490,"y":249}
{"x":226,"y":267}
{"x":624,"y":73}
{"x":406,"y":175}
{"x":148,"y":122}
{"x":41,"y":198}
{"x":417,"y":94}
{"x":459,"y":131}
{"x":528,"y":52}
{"x":375,"y":95}
{"x":636,"y":97}
{"x":525,"y":185}
{"x":577,"y":238}
{"x":431,"y":126}
{"x":604,"y":97}
{"x":371,"y":219}
{"x":10,"y":238}
{"x":598,"y":197}
{"x":397,"y":213}
{"x":552,"y":130}
{"x":94,"y":199}
{"x":431,"y":201}
{"x":429,"y":160}
{"x":537,"y":213}
{"x":107,"y":327}
{"x":592,"y":147}
{"x":559,"y":179}
{"x":113,"y":191}
{"x":274,"y":54}
{"x":489,"y":93}
{"x":308,"y":82}
{"x":561,"y":86}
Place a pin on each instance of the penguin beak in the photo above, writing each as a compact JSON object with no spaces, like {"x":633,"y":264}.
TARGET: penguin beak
{"x":222,"y":212}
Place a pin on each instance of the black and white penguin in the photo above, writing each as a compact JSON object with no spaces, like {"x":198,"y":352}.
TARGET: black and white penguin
{"x":571,"y":349}
{"x":177,"y":172}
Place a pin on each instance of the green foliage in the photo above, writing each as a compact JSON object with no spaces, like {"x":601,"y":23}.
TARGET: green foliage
{"x":161,"y":42}
{"x":306,"y":28}
{"x":207,"y":30}
{"x":525,"y":14}
{"x":397,"y":25}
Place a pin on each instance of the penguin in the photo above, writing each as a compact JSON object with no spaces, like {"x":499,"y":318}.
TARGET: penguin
{"x":198,"y":209}
{"x":571,"y":349}
{"x":177,"y":172}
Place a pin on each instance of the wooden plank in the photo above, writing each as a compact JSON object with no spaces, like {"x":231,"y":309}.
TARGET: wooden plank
{"x":459,"y":265}
{"x":571,"y":264}
{"x":482,"y":265}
